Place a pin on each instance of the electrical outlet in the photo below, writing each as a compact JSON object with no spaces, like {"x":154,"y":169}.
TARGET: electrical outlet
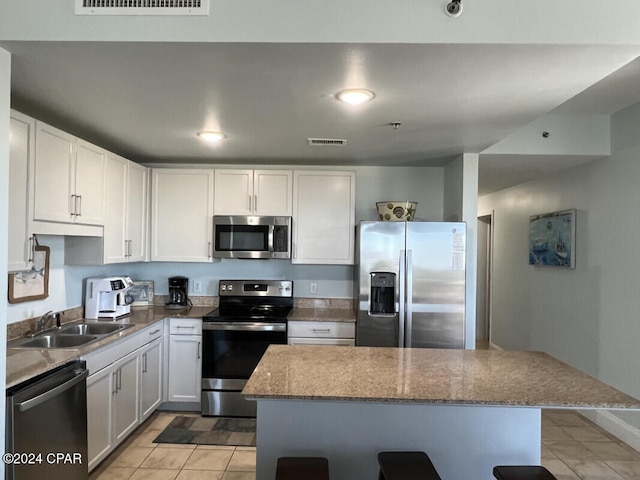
{"x":313,"y":288}
{"x":197,"y":286}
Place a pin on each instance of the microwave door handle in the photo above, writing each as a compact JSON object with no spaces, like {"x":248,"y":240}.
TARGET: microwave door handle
{"x":271,"y":235}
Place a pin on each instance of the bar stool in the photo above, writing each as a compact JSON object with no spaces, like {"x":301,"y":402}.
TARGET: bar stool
{"x":298,"y":468}
{"x":406,"y":466}
{"x":522,"y":472}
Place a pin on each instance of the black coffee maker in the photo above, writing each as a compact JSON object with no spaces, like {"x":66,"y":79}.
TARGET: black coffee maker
{"x":178,"y":288}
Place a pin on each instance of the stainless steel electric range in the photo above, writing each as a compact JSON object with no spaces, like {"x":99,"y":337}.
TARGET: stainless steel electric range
{"x":252,"y":315}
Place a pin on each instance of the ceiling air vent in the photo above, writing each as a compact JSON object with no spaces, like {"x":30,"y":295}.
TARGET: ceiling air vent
{"x":142,"y":7}
{"x":336,"y":142}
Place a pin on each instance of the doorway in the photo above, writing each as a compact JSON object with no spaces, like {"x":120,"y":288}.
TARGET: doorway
{"x":484,"y":283}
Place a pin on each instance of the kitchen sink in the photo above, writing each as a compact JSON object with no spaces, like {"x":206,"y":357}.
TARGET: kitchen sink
{"x":93,"y":328}
{"x":59,"y":341}
{"x":73,"y":335}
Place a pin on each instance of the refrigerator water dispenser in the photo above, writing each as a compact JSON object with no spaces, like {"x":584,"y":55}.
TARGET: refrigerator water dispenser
{"x":383,"y":294}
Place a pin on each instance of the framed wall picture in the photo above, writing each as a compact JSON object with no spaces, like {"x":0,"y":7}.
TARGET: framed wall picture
{"x":30,"y":285}
{"x":142,"y":293}
{"x":552,"y":239}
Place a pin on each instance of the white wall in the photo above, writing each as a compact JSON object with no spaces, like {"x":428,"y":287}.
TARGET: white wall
{"x":5,"y":89}
{"x":592,"y":22}
{"x":587,"y":317}
{"x":423,"y":184}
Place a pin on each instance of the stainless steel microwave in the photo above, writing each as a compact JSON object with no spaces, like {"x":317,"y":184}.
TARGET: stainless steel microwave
{"x":251,"y":237}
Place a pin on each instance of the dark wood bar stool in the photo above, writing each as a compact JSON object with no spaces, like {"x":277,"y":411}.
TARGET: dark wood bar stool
{"x":406,"y":466}
{"x":522,"y":472}
{"x":302,"y":468}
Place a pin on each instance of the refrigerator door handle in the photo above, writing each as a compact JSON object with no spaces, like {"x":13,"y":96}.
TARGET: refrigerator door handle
{"x":409,"y":290}
{"x":401,"y":297}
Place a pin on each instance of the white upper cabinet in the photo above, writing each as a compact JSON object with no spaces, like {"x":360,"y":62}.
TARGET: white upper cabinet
{"x":253,"y":192}
{"x":126,"y":214}
{"x":181,"y":215}
{"x":137,"y":212}
{"x":21,"y":148}
{"x":115,"y":229}
{"x":324,"y":217}
{"x":69,"y":178}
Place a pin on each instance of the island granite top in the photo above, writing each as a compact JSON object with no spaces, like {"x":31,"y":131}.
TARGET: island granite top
{"x":428,"y":376}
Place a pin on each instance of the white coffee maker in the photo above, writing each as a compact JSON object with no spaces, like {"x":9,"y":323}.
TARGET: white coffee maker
{"x":107,"y":297}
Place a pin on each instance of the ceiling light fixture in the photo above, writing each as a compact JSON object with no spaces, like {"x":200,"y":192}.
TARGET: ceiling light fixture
{"x":355,"y":96}
{"x":212,"y":137}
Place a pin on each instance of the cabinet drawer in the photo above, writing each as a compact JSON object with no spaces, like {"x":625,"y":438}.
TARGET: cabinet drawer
{"x":185,"y":326}
{"x":336,"y":342}
{"x":322,"y":329}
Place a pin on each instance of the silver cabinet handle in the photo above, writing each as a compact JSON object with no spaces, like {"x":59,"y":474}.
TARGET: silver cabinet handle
{"x":198,"y":357}
{"x":79,"y":209}
{"x":73,"y":205}
{"x":154,"y":332}
{"x":32,"y":249}
{"x":321,"y":330}
{"x":209,"y":250}
{"x":119,"y":379}
{"x":115,"y":382}
{"x":144,"y":363}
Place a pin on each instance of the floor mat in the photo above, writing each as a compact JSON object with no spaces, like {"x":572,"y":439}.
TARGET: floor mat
{"x":239,"y":432}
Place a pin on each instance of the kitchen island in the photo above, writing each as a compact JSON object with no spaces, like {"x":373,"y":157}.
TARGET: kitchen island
{"x":468,"y":409}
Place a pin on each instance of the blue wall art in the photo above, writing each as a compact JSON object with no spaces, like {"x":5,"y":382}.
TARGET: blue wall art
{"x":552,"y":239}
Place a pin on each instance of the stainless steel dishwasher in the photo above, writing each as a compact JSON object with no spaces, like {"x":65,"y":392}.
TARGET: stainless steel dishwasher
{"x":46,"y":432}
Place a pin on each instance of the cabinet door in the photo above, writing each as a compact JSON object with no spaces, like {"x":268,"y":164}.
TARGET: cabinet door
{"x":150,"y":378}
{"x":273,"y":192}
{"x":54,"y":159}
{"x":323,"y":217}
{"x":137,"y":198}
{"x":21,"y":147}
{"x":182,"y":215}
{"x":185,"y":365}
{"x":115,"y":216}
{"x":100,"y":392}
{"x":89,"y":183}
{"x":233,"y":192}
{"x":126,"y":399}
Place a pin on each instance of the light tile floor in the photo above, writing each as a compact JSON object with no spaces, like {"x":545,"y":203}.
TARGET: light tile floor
{"x":138,"y":458}
{"x":573,"y":448}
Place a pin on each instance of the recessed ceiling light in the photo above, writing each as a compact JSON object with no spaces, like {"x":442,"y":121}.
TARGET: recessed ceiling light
{"x":212,"y":137}
{"x":355,"y":96}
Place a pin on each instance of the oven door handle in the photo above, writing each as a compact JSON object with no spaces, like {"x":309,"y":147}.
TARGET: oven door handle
{"x":252,"y":327}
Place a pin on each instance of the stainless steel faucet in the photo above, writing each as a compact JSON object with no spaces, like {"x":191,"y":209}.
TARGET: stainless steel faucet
{"x":44,"y":320}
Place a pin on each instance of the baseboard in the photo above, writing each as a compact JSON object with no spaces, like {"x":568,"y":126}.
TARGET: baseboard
{"x":615,"y":426}
{"x":180,"y":406}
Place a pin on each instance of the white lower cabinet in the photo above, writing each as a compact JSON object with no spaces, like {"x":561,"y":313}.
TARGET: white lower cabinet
{"x":150,"y":378}
{"x":321,"y":333}
{"x":123,"y":388}
{"x":184,"y":360}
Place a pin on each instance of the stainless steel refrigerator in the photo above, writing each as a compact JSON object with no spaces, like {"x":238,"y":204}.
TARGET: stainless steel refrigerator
{"x":410,"y":284}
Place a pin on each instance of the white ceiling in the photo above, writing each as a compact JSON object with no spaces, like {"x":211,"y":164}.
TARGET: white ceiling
{"x":146,"y":101}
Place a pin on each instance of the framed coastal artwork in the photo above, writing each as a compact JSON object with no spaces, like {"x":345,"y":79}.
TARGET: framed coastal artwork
{"x":552,"y":239}
{"x":30,"y":285}
{"x":142,"y":293}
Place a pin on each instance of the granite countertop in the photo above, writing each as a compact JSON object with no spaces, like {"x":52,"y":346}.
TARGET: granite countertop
{"x":321,"y":315}
{"x":26,"y":363}
{"x":428,"y":376}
